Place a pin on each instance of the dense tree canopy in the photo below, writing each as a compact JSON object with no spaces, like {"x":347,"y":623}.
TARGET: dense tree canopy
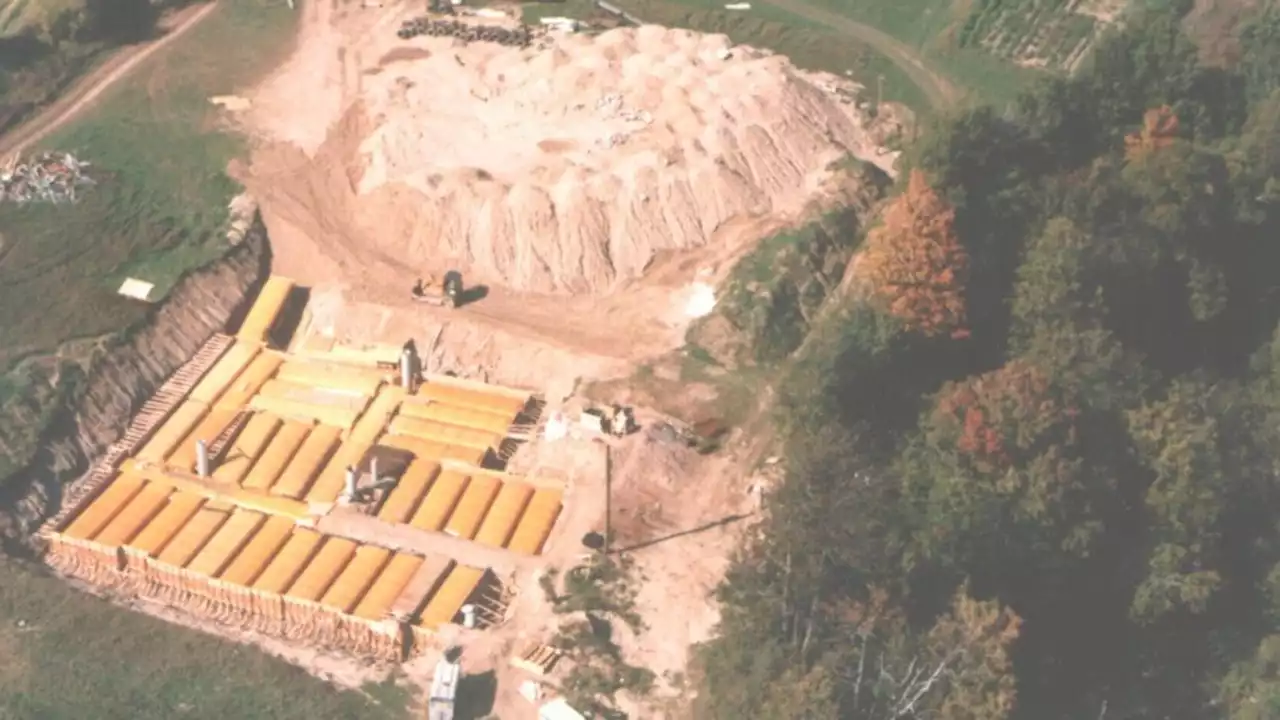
{"x":1074,"y":511}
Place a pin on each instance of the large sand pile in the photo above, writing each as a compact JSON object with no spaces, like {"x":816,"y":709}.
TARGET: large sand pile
{"x":562,"y":168}
{"x":569,"y":168}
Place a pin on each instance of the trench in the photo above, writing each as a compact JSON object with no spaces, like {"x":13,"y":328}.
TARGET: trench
{"x":119,"y":380}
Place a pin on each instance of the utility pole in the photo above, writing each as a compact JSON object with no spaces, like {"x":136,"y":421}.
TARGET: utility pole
{"x":608,"y":497}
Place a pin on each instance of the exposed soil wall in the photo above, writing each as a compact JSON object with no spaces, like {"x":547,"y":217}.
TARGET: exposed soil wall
{"x":775,"y":293}
{"x":120,"y":380}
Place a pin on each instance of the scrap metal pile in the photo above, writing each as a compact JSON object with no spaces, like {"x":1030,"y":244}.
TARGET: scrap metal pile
{"x":49,"y":177}
{"x":521,"y":36}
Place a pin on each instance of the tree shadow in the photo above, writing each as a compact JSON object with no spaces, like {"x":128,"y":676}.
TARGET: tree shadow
{"x":476,"y":694}
{"x":682,"y":533}
{"x":22,"y":50}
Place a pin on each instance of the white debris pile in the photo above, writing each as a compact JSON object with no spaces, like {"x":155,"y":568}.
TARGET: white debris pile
{"x":49,"y":177}
{"x":700,"y":300}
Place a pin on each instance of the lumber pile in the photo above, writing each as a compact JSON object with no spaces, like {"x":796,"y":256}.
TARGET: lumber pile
{"x":537,"y":658}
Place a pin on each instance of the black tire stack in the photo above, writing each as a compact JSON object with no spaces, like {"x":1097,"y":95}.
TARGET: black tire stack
{"x":521,"y":36}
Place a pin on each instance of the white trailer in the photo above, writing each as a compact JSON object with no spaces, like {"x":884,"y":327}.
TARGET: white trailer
{"x":444,"y":690}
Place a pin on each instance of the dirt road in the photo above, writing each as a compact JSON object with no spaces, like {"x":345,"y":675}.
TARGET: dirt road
{"x":939,"y":90}
{"x":90,"y":87}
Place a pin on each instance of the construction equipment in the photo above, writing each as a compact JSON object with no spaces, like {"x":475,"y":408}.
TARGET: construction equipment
{"x":444,"y":688}
{"x":446,"y":293}
{"x":619,"y":421}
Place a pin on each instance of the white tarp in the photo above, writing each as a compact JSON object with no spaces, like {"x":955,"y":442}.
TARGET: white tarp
{"x":137,"y":289}
{"x":559,"y":709}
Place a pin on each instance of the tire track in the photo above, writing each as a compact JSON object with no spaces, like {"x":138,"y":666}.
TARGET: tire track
{"x":938,"y":89}
{"x":90,"y":87}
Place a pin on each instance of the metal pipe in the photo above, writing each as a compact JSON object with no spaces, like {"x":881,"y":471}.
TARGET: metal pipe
{"x":202,"y":459}
{"x":373,"y":469}
{"x":406,"y":369}
{"x":349,"y":492}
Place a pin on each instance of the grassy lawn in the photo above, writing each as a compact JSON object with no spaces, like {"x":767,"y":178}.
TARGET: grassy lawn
{"x":159,"y":209}
{"x":66,"y":654}
{"x":990,"y":49}
{"x":808,"y":44}
{"x":975,"y":42}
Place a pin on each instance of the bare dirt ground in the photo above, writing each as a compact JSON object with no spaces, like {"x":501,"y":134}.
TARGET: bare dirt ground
{"x":585,"y":186}
{"x":371,"y":172}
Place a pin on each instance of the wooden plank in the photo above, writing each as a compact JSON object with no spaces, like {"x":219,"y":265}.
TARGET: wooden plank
{"x":456,"y":391}
{"x":142,"y":509}
{"x":469,"y":417}
{"x":366,"y":354}
{"x":288,"y":564}
{"x":252,"y":441}
{"x":183,"y":456}
{"x":474,"y":505}
{"x":356,"y":578}
{"x":451,"y":596}
{"x":266,"y":308}
{"x":444,"y":434}
{"x":390,"y":583}
{"x":367,"y":429}
{"x":334,"y":377}
{"x":250,"y":381}
{"x":178,"y":426}
{"x":537,"y":521}
{"x":283,"y":446}
{"x":104,"y":509}
{"x":341,"y":416}
{"x":323,"y":569}
{"x":192,"y":537}
{"x":230,"y":494}
{"x":408,"y":492}
{"x":306,"y":464}
{"x":226,"y":543}
{"x":419,"y":447}
{"x":156,"y":535}
{"x":224,"y":372}
{"x":500,"y":523}
{"x":440,"y":501}
{"x":556,"y":483}
{"x":254,"y":557}
{"x":436,"y":451}
{"x":315,"y":395}
{"x":425,"y":582}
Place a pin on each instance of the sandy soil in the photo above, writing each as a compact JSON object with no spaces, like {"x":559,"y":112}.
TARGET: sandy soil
{"x":574,"y":168}
{"x":586,"y":186}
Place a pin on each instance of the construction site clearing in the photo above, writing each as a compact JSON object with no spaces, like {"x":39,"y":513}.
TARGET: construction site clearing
{"x":338,"y":497}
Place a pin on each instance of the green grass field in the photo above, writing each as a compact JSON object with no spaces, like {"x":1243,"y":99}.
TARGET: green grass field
{"x":808,"y":44}
{"x":987,"y":49}
{"x":67,"y":654}
{"x":160,"y":207}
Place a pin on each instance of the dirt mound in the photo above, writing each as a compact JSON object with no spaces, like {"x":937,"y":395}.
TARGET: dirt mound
{"x":563,"y":168}
{"x":570,"y":168}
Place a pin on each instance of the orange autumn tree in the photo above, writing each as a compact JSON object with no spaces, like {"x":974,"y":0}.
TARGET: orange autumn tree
{"x":1159,"y":130}
{"x":916,"y":264}
{"x":1003,"y":417}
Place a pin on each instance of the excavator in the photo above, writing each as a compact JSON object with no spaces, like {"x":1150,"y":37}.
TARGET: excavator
{"x":445,"y":293}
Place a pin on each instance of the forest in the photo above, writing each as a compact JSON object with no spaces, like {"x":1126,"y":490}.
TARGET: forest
{"x":1031,"y":464}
